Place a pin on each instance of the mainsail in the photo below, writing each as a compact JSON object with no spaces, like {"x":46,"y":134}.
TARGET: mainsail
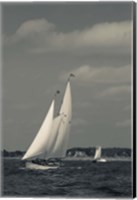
{"x":52,"y":137}
{"x":65,"y":114}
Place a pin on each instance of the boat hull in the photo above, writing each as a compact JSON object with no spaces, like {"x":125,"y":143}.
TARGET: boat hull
{"x":99,"y":160}
{"x":34,"y":166}
{"x":102,"y":160}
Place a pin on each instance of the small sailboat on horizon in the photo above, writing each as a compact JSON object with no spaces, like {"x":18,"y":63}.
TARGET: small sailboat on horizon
{"x":52,"y":137}
{"x":97,"y":156}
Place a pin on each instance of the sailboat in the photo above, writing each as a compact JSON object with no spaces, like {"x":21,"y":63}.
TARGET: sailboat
{"x":52,"y":137}
{"x":97,"y":156}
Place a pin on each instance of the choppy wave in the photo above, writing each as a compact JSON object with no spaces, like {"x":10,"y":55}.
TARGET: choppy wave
{"x":73,"y":179}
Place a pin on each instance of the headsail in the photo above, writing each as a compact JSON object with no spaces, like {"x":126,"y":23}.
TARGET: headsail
{"x":40,"y":143}
{"x":97,"y":153}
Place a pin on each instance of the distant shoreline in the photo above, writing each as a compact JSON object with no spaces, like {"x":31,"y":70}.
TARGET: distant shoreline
{"x":80,"y":152}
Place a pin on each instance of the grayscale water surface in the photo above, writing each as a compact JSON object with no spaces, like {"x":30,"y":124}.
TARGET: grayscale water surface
{"x":74,"y":179}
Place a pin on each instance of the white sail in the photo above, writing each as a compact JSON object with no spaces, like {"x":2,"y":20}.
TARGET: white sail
{"x":52,"y":138}
{"x":40,"y":143}
{"x":97,"y":153}
{"x":66,"y":114}
{"x":53,"y":135}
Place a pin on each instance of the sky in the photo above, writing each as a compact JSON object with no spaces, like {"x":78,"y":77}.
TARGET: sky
{"x":42,"y":44}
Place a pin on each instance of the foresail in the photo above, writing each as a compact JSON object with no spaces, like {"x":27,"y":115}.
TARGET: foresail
{"x":40,"y":143}
{"x":97,"y":153}
{"x":66,"y":114}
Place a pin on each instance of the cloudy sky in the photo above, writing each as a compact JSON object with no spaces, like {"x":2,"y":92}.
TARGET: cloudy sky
{"x":42,"y":44}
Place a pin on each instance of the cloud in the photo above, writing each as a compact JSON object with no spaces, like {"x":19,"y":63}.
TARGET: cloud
{"x":125,"y":123}
{"x":116,"y":91}
{"x":31,"y":30}
{"x":102,"y":74}
{"x":42,"y":36}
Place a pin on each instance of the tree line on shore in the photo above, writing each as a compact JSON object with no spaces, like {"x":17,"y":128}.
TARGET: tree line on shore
{"x":90,"y":151}
{"x":106,"y":152}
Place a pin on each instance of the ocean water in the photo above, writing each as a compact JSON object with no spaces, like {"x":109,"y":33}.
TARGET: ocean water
{"x":76,"y":179}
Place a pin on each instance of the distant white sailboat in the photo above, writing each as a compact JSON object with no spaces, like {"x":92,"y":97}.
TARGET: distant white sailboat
{"x":52,"y":137}
{"x":97,"y":157}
